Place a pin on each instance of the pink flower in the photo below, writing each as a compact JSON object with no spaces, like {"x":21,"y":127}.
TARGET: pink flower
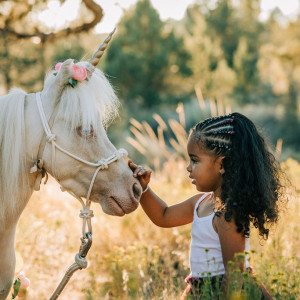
{"x":57,"y":66}
{"x":78,"y":72}
{"x":23,"y":288}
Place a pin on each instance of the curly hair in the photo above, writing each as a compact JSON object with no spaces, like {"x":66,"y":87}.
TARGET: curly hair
{"x":251,"y":187}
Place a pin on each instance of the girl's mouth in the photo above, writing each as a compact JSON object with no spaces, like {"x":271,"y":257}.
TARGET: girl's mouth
{"x":193,"y":181}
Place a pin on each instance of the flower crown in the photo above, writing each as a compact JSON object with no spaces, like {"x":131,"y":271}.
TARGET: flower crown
{"x":79,"y":73}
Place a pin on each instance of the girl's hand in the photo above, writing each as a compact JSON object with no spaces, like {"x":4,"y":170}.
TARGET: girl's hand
{"x":141,"y":173}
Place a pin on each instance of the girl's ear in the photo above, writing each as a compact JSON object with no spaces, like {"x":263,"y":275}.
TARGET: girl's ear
{"x":222,"y":170}
{"x":220,"y":163}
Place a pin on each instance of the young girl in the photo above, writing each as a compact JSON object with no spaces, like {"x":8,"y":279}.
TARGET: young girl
{"x":238,"y":181}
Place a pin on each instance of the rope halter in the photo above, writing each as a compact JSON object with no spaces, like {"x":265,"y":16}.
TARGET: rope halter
{"x":86,"y":213}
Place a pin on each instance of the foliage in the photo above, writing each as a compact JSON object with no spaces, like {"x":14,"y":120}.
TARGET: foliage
{"x":139,"y":271}
{"x":239,"y":33}
{"x":16,"y":288}
{"x":210,"y":68}
{"x":220,"y":48}
{"x":24,"y":38}
{"x":147,"y":57}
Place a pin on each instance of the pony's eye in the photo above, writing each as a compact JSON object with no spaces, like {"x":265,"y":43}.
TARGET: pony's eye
{"x":86,"y":132}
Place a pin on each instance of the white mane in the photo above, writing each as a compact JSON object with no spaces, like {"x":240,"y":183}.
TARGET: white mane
{"x":88,"y":104}
{"x":12,"y":151}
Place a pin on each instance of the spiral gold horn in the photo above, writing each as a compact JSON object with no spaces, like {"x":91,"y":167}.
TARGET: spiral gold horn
{"x":98,"y":54}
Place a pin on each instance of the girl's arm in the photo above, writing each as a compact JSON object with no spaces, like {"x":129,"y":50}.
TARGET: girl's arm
{"x":232,"y":242}
{"x":156,"y":209}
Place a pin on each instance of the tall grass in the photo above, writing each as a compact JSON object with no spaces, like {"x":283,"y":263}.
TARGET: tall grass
{"x":133,"y":259}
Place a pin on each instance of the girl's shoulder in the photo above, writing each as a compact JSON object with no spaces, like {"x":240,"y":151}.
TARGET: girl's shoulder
{"x":220,"y":224}
{"x":194,"y":199}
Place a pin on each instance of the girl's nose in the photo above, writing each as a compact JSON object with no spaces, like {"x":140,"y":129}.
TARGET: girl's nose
{"x":188,"y":168}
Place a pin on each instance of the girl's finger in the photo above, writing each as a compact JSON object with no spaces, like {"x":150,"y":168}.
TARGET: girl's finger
{"x":132,"y":166}
{"x":137,"y":171}
{"x":130,"y":163}
{"x":140,"y":171}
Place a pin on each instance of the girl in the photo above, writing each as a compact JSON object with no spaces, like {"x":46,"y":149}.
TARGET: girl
{"x":238,"y":181}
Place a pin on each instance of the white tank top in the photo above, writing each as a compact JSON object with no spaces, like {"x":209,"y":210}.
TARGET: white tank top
{"x":205,"y":251}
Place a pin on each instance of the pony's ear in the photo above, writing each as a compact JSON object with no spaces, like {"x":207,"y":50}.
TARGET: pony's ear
{"x":64,"y":74}
{"x":59,"y":82}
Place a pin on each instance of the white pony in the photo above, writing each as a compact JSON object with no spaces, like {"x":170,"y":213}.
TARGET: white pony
{"x":73,"y":150}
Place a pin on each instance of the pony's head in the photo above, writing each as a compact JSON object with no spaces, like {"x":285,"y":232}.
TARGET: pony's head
{"x":78,"y":116}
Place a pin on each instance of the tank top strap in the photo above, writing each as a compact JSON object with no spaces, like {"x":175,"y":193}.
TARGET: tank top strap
{"x":199,"y":201}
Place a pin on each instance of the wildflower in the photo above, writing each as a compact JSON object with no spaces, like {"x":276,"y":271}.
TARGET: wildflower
{"x":230,"y":263}
{"x":20,"y":286}
{"x":57,"y":66}
{"x":78,"y":72}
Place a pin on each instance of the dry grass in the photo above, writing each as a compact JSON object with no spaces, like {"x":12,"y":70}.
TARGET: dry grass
{"x":130,"y":257}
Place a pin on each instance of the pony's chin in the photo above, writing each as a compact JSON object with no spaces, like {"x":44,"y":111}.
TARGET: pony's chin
{"x":112,"y":207}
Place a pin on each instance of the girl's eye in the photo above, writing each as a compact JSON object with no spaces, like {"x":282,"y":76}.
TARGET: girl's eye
{"x":193,"y":161}
{"x":86,"y":132}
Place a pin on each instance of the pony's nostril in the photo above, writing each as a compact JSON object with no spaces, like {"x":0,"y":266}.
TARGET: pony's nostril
{"x":137,"y":191}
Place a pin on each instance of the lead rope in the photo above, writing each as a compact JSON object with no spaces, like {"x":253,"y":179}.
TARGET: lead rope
{"x":86,"y":213}
{"x":86,"y":242}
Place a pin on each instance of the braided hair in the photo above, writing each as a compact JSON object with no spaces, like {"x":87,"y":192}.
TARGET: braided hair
{"x":251,"y":185}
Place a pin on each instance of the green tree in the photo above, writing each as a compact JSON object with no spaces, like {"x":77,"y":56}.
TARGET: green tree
{"x":222,"y":24}
{"x":210,"y":68}
{"x":236,"y":25}
{"x":147,"y":58}
{"x":279,"y":67}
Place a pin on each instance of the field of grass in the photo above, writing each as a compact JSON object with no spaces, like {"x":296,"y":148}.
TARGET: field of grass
{"x":130,"y":257}
{"x":133,"y":259}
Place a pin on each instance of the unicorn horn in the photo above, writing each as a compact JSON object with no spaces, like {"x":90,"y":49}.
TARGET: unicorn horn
{"x":98,"y":54}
